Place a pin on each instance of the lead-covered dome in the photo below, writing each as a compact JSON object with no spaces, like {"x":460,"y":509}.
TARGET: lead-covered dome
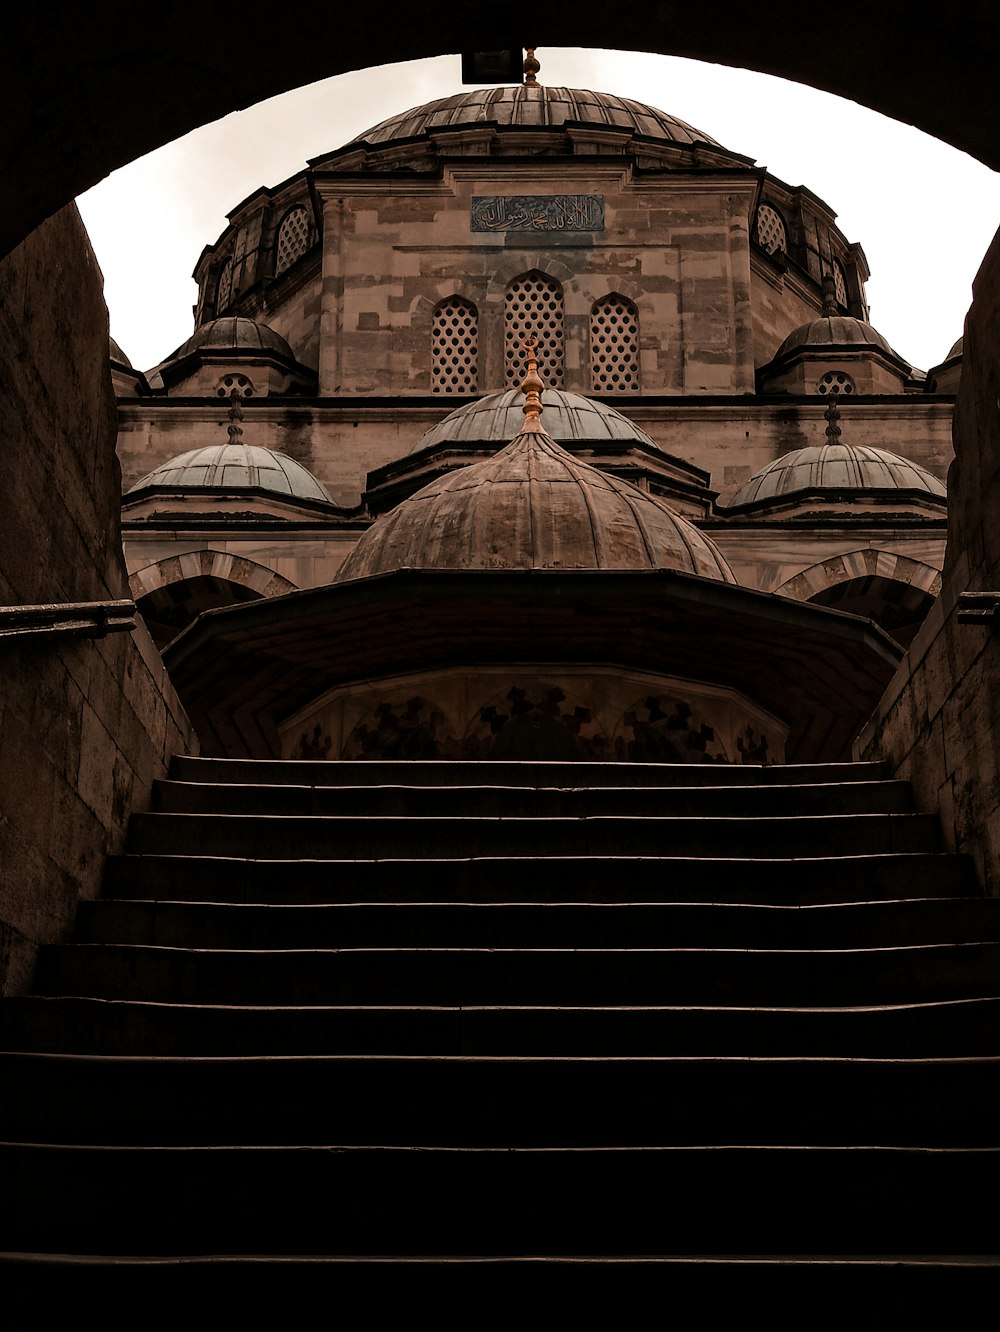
{"x":498,"y":417}
{"x":232,"y":333}
{"x":834,"y":331}
{"x":535,"y":106}
{"x":837,"y":467}
{"x":235,"y":467}
{"x":533,"y":506}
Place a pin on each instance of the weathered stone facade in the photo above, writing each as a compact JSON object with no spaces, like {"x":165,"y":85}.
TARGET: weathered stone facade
{"x":714,"y":306}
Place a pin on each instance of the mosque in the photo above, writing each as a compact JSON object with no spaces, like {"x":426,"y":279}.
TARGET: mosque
{"x":716,"y":409}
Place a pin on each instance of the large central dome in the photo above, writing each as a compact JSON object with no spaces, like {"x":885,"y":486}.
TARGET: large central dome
{"x":535,"y":106}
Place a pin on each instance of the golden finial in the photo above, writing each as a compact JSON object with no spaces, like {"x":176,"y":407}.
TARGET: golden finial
{"x":531,"y":387}
{"x":531,"y":65}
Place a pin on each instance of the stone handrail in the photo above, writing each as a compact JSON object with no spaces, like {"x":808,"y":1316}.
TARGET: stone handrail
{"x":76,"y":619}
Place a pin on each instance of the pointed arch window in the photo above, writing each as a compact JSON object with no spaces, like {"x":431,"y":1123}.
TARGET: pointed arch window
{"x":614,"y":345}
{"x":294,"y":239}
{"x":772,"y":235}
{"x":455,"y":347}
{"x":533,"y":307}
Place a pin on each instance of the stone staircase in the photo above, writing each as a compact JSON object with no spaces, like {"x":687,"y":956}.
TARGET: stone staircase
{"x":425,"y":1014}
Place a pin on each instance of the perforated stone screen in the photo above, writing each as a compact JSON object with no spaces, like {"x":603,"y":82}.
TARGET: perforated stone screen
{"x":533,"y":307}
{"x":294,"y":238}
{"x":455,"y":347}
{"x":836,"y":381}
{"x":614,"y":346}
{"x":839,"y":284}
{"x":224,"y":291}
{"x":771,"y":235}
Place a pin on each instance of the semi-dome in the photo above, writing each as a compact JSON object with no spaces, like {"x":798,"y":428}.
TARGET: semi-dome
{"x":498,"y":417}
{"x":837,"y":467}
{"x":234,"y":334}
{"x":535,"y":106}
{"x":533,"y":506}
{"x":834,"y":331}
{"x":235,"y":467}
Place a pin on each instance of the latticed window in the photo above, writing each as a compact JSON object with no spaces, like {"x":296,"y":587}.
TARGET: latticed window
{"x":614,"y":346}
{"x":839,"y":284}
{"x":224,"y":291}
{"x":533,"y":307}
{"x":455,"y":347}
{"x":294,"y":239}
{"x":771,"y":235}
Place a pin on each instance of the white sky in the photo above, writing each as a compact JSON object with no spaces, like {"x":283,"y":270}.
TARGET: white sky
{"x":923,"y":212}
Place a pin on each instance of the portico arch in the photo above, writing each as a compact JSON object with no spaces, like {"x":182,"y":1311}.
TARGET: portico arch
{"x":82,"y":97}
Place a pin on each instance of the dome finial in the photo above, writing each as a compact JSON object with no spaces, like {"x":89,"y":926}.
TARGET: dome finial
{"x":832,"y":415}
{"x":531,"y":65}
{"x":531,"y":387}
{"x":830,"y":303}
{"x":234,"y":429}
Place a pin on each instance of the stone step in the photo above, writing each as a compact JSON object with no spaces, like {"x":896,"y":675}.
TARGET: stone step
{"x":801,"y":881}
{"x":537,"y":976}
{"x":618,"y":1201}
{"x":523,"y":802}
{"x":497,"y":1102}
{"x":415,"y":772}
{"x":73,"y":1024}
{"x":325,"y":837}
{"x":542,"y":925}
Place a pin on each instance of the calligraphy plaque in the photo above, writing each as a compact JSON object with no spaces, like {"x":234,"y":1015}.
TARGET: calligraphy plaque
{"x":538,"y":212}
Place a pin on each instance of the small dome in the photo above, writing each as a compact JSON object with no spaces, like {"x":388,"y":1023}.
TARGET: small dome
{"x":836,"y":467}
{"x":535,"y":106}
{"x":235,"y":467}
{"x":957,"y":349}
{"x":533,"y":506}
{"x":234,"y":334}
{"x":835,"y":331}
{"x":498,"y":417}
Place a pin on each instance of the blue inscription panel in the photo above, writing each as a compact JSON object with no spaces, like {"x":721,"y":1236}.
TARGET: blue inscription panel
{"x":538,"y":212}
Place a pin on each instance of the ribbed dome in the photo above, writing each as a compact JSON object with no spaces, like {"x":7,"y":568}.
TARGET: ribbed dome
{"x":533,"y":506}
{"x":535,"y":106}
{"x":499,"y":417}
{"x":234,"y":334}
{"x":235,"y":467}
{"x":116,"y":354}
{"x":836,"y":467}
{"x":836,"y":331}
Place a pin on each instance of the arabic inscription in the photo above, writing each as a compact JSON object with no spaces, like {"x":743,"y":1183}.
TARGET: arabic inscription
{"x":538,"y":212}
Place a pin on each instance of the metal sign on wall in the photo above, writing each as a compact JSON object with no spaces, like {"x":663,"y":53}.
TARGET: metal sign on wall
{"x":538,"y":212}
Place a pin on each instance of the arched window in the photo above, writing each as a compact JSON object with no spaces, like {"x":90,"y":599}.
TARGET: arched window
{"x":771,"y":234}
{"x":294,"y":239}
{"x":455,"y":347}
{"x":614,"y":346}
{"x":533,"y":307}
{"x":224,"y":290}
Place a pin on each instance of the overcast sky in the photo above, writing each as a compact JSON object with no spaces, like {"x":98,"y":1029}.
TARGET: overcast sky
{"x":923,"y":212}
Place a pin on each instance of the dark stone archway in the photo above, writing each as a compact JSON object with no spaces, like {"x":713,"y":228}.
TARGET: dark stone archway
{"x":86,"y":90}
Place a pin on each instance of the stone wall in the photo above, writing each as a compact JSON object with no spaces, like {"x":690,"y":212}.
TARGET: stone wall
{"x":939,"y":721}
{"x":86,"y":724}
